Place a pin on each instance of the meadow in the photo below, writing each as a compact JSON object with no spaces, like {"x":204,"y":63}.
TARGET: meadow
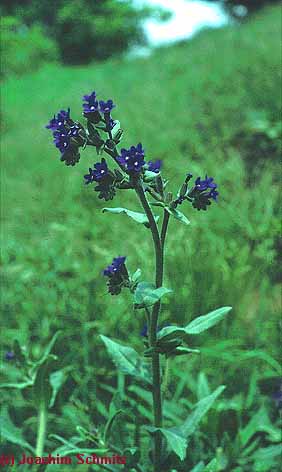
{"x":207,"y":106}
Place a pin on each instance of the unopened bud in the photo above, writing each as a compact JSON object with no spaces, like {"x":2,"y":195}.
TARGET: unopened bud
{"x":183,"y":190}
{"x":168,"y":197}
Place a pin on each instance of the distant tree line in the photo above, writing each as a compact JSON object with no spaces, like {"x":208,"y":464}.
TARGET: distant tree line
{"x":84,"y":29}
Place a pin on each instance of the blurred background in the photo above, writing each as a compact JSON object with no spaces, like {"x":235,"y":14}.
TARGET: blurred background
{"x":199,"y":84}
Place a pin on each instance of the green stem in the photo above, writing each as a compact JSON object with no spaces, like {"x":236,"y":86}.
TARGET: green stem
{"x":165,"y":378}
{"x":164,"y":228}
{"x":157,"y":400}
{"x":41,"y":430}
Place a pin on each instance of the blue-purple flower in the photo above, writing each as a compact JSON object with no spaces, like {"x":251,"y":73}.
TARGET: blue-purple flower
{"x":99,"y":172}
{"x":106,"y":107}
{"x":115,"y":267}
{"x":9,"y":356}
{"x":59,"y":120}
{"x":91,"y":105}
{"x":132,"y":159}
{"x":203,"y":192}
{"x":205,"y":184}
{"x":61,"y":139}
{"x":117,"y":274}
{"x":154,"y":166}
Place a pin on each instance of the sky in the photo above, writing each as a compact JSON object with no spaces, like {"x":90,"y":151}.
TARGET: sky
{"x":188,"y":17}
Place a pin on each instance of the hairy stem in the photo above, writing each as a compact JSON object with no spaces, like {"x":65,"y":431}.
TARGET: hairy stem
{"x":157,"y":400}
{"x":41,"y":430}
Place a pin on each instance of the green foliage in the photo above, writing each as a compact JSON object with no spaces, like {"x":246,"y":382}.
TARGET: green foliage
{"x":24,"y":49}
{"x":85,"y":30}
{"x":197,"y":326}
{"x":147,"y":295}
{"x":138,"y":217}
{"x":54,"y":249}
{"x":127,"y":360}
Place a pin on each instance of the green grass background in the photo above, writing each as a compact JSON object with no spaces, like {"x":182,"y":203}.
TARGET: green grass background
{"x":189,"y":105}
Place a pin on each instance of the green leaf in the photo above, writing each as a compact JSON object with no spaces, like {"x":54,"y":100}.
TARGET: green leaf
{"x":198,"y":325}
{"x":11,"y":433}
{"x":20,"y":385}
{"x":110,"y":423}
{"x":202,"y":323}
{"x":201,"y":408}
{"x":203,"y":389}
{"x":146,"y":294}
{"x":176,"y":442}
{"x":178,"y":215}
{"x":149,"y":176}
{"x":267,"y":458}
{"x":181,"y":351}
{"x":199,"y":467}
{"x":127,"y":360}
{"x":260,"y":423}
{"x":136,"y":216}
{"x":136,"y":276}
{"x":212,"y":466}
{"x":188,"y":428}
{"x":57,"y":379}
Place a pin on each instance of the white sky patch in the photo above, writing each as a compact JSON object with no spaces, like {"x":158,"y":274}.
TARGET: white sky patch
{"x":187,"y":18}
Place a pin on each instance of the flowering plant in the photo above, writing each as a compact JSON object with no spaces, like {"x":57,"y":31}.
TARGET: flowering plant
{"x":131,"y":171}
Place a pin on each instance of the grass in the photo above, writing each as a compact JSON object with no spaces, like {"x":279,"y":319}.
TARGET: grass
{"x":190,"y":105}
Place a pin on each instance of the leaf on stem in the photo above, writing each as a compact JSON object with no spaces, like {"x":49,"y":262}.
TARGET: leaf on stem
{"x":197,"y":326}
{"x":177,"y":437}
{"x":136,"y":216}
{"x":177,"y":443}
{"x":146,"y":294}
{"x":178,"y":215}
{"x":127,"y":360}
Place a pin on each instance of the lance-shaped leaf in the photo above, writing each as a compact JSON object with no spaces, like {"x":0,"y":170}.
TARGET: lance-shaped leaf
{"x":136,"y":216}
{"x":202,"y":323}
{"x":178,"y":215}
{"x":176,"y":442}
{"x":146,"y":294}
{"x":127,"y":360}
{"x":178,"y":437}
{"x":197,"y":326}
{"x":201,"y":408}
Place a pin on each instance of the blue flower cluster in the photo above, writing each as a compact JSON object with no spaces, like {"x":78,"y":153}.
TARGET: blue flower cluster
{"x":203,"y":192}
{"x":132,"y":160}
{"x":200,"y":195}
{"x":117,"y":274}
{"x":99,"y":172}
{"x":98,"y":111}
{"x":68,"y":136}
{"x":92,"y":105}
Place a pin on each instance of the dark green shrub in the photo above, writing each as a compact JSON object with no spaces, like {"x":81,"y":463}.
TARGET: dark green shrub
{"x":24,"y":48}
